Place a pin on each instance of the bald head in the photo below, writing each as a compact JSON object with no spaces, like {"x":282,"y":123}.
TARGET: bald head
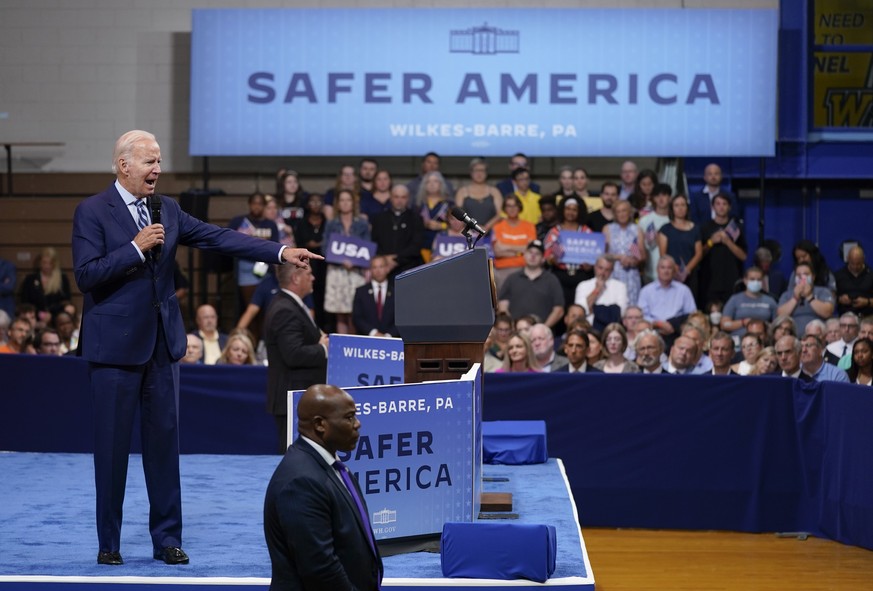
{"x":327,"y":415}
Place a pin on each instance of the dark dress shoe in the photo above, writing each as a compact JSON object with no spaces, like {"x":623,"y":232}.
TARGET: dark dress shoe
{"x":171,"y":555}
{"x":113,"y":558}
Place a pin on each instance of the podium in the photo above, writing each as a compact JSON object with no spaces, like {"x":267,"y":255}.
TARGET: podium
{"x":444,"y":311}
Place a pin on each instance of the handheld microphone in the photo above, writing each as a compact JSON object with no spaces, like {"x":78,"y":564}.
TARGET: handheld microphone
{"x":461,"y":215}
{"x":155,"y":207}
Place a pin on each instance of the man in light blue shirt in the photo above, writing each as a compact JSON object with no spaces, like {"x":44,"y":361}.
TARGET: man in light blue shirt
{"x":812,"y":361}
{"x":666,"y":299}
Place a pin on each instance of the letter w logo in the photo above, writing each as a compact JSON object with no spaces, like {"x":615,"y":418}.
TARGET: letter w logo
{"x":850,"y":108}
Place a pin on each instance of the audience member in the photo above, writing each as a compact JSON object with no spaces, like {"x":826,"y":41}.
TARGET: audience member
{"x":373,"y":306}
{"x":615,"y":342}
{"x":576,"y":349}
{"x":681,"y":240}
{"x":347,"y":179}
{"x":27,"y":312}
{"x":807,"y":252}
{"x":570,"y":212}
{"x":296,"y":347}
{"x":812,"y":361}
{"x":807,"y":300}
{"x":565,"y":183}
{"x":666,"y":303}
{"x":480,"y":200}
{"x":238,"y":351}
{"x":548,"y":216}
{"x":701,"y":363}
{"x":533,"y":290}
{"x":574,"y":315}
{"x":214,"y":341}
{"x":625,"y":246}
{"x":782,"y":326}
{"x":543,"y":342}
{"x":724,"y":251}
{"x":271,"y":212}
{"x":510,"y":237}
{"x":682,"y":357}
{"x":252,"y":224}
{"x":765,"y":363}
{"x":752,"y":303}
{"x":580,"y":189}
{"x":18,"y":338}
{"x":854,"y":284}
{"x":721,"y":351}
{"x":530,"y":199}
{"x":498,"y":339}
{"x":628,"y":175}
{"x":519,"y":356}
{"x":832,"y":330}
{"x":434,"y":207}
{"x":773,"y":280}
{"x":46,"y":287}
{"x":262,"y":297}
{"x":642,"y":195}
{"x":398,"y":233}
{"x":595,"y":348}
{"x":5,"y":322}
{"x":8,"y":280}
{"x":47,"y":342}
{"x":761,"y":328}
{"x":865,"y":332}
{"x":633,"y":322}
{"x":524,"y":323}
{"x":310,"y":235}
{"x":702,"y":208}
{"x":291,"y":197}
{"x":430,"y":163}
{"x":343,"y":279}
{"x":599,"y":219}
{"x":604,"y":299}
{"x":379,"y":199}
{"x":788,"y":350}
{"x":651,"y":225}
{"x":193,"y":350}
{"x":750,"y":347}
{"x":509,"y":185}
{"x":817,"y":327}
{"x":850,"y":326}
{"x":67,"y":331}
{"x":861,"y":368}
{"x":649,"y":350}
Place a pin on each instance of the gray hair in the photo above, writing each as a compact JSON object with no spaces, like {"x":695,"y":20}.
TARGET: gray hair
{"x":124,"y":145}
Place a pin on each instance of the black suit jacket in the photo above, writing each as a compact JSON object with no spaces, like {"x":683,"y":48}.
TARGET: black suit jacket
{"x":315,"y":535}
{"x":588,"y":369}
{"x":296,"y":360}
{"x":364,"y":314}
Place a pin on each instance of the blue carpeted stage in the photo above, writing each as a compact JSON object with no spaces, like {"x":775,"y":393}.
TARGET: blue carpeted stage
{"x":48,"y":541}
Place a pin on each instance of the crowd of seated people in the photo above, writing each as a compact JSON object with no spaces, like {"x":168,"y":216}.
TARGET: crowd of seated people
{"x":672,"y":292}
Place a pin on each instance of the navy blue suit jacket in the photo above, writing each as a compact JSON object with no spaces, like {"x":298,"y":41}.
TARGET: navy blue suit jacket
{"x":364,"y":314}
{"x":315,"y":535}
{"x":589,"y":369}
{"x":122,"y":293}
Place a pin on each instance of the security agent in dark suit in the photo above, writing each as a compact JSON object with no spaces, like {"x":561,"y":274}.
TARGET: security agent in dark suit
{"x":576,"y":350}
{"x":133,"y":335}
{"x":373,"y":306}
{"x":296,"y":347}
{"x":315,"y":519}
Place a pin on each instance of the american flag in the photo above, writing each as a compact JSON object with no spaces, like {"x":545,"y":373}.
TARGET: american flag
{"x":732,"y":229}
{"x":651,"y":235}
{"x":634,"y":250}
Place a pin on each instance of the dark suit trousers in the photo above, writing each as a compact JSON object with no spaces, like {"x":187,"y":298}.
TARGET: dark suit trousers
{"x":117,"y":392}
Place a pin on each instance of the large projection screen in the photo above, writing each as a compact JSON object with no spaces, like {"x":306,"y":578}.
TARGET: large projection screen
{"x":547,"y":82}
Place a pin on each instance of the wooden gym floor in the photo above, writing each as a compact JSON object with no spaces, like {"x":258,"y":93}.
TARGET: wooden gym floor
{"x":665,"y":560}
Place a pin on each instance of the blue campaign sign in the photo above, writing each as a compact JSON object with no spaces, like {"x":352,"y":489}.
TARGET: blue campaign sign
{"x":341,"y":249}
{"x":446,"y":246}
{"x":364,"y":361}
{"x":417,"y":455}
{"x":483,"y":82}
{"x":581,"y":247}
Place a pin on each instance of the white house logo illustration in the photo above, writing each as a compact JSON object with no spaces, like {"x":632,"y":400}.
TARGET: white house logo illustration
{"x":384,"y":516}
{"x":484,"y":40}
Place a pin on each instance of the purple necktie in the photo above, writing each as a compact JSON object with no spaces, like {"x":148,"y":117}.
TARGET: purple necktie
{"x":347,"y":479}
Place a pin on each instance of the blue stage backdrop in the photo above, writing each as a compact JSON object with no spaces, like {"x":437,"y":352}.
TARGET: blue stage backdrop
{"x":483,"y":82}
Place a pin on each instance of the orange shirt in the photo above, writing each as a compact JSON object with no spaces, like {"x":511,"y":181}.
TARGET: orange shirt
{"x":519,"y":235}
